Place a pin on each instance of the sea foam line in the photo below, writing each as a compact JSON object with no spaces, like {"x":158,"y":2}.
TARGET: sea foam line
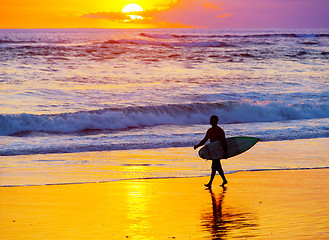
{"x":159,"y":177}
{"x":148,"y":116}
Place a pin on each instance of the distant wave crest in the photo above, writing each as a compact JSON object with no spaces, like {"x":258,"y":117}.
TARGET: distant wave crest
{"x":259,"y":35}
{"x":171,"y":44}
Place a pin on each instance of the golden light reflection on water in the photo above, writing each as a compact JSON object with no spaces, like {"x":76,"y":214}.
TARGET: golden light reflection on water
{"x":98,"y":166}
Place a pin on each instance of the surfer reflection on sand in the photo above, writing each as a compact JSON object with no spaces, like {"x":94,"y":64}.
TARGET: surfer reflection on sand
{"x":224,"y":224}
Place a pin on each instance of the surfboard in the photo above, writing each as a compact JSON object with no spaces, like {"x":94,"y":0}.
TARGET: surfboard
{"x":235,"y":146}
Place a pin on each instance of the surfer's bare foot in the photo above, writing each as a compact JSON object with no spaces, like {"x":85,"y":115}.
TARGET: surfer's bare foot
{"x":208,"y":185}
{"x":223,"y":184}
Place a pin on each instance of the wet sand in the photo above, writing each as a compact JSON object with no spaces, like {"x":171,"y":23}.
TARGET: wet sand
{"x":291,"y":204}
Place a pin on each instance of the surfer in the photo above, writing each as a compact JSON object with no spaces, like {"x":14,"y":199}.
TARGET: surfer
{"x":215,"y":133}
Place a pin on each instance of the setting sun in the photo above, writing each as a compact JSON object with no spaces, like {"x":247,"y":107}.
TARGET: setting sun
{"x":133,"y":8}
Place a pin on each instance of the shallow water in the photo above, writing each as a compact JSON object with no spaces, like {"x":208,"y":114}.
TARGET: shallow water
{"x":179,"y":162}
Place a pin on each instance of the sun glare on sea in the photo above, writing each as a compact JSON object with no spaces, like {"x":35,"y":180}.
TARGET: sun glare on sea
{"x":133,"y":8}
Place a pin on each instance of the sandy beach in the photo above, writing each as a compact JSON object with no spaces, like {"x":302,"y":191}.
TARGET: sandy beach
{"x":290,"y":204}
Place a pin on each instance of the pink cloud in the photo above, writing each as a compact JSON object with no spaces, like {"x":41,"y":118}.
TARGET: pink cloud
{"x":224,"y":15}
{"x":276,"y":13}
{"x":199,"y":13}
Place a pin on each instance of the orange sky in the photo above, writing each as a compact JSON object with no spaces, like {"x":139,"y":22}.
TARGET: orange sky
{"x":164,"y":13}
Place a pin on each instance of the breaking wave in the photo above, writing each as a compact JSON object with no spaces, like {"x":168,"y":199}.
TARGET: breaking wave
{"x":147,"y":116}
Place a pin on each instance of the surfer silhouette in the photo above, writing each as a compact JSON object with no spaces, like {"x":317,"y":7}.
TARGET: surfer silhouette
{"x":215,"y":133}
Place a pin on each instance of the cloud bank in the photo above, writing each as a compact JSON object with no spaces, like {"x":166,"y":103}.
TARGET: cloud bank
{"x":183,"y":13}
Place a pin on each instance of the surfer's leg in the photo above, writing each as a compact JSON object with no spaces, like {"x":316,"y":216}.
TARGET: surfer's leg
{"x":221,"y":173}
{"x":213,"y":173}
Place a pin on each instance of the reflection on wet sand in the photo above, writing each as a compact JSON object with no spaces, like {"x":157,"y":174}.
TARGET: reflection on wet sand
{"x":256,"y":205}
{"x":224,"y":222}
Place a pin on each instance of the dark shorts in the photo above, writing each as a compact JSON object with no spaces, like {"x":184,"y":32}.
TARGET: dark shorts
{"x":216,"y":165}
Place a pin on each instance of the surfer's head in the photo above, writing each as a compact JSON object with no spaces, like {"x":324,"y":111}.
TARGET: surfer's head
{"x":213,"y":120}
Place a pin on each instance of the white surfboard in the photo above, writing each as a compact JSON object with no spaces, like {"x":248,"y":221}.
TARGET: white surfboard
{"x":235,"y":146}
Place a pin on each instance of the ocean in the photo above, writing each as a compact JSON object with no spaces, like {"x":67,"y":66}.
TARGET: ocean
{"x":67,"y":93}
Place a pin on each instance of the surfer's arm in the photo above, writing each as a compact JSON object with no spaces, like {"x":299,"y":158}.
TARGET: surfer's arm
{"x":203,"y":141}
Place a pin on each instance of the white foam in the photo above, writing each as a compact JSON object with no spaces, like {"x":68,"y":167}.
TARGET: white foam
{"x":135,"y":117}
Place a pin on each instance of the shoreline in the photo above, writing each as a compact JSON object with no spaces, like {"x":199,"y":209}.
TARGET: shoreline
{"x":180,"y":162}
{"x":163,"y":178}
{"x":289,"y":204}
